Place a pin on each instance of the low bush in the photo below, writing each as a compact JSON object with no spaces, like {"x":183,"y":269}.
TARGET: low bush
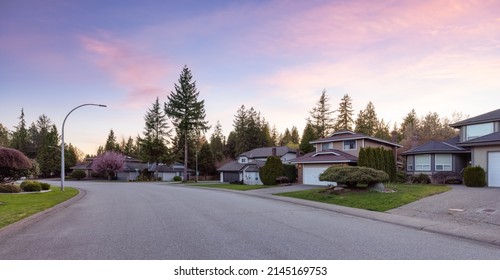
{"x":9,"y":188}
{"x":474,"y":176}
{"x":177,"y":178}
{"x":447,"y":177}
{"x":45,"y":186}
{"x":31,"y":186}
{"x":400,"y":177}
{"x":420,"y":179}
{"x":78,"y":174}
{"x":291,"y":172}
{"x":352,"y":175}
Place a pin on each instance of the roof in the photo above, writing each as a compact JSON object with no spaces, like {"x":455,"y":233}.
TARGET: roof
{"x":489,"y":139}
{"x":235,"y":166}
{"x":484,"y":118}
{"x":268,"y":151}
{"x":326,"y":156}
{"x":438,"y":147}
{"x":349,"y":135}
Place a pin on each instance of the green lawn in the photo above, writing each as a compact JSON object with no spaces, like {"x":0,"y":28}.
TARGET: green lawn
{"x":15,"y":207}
{"x":228,"y":186}
{"x":372,"y":200}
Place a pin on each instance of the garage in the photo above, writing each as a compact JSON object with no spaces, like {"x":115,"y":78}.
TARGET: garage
{"x":494,"y":169}
{"x":312,"y":172}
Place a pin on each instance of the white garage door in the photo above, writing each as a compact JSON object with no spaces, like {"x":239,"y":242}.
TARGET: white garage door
{"x":311,"y":175}
{"x":494,"y":169}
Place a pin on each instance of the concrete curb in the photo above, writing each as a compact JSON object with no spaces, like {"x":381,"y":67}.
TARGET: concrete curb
{"x":19,"y":225}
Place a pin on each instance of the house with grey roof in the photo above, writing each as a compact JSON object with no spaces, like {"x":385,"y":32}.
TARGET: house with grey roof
{"x":481,"y":134}
{"x":435,"y":157}
{"x":245,"y":168}
{"x":340,"y":148}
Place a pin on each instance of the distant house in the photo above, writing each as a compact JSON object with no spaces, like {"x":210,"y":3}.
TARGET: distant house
{"x":437,"y":156}
{"x":340,"y":148}
{"x":246,"y":167}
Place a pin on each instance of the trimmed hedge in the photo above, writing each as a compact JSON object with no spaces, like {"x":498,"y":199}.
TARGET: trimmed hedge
{"x":9,"y":188}
{"x":420,"y":179}
{"x":291,"y":172}
{"x":271,"y":171}
{"x":45,"y":186}
{"x":177,"y":178}
{"x":78,"y":174}
{"x":31,"y":186}
{"x":474,"y":176}
{"x":352,"y":175}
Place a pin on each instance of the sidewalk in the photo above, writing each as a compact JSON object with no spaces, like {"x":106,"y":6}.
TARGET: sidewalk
{"x":472,"y":213}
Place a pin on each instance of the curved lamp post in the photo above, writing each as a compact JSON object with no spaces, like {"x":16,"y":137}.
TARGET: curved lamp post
{"x":62,"y":139}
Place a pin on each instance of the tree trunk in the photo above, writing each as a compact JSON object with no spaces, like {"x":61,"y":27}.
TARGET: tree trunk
{"x":185,"y":157}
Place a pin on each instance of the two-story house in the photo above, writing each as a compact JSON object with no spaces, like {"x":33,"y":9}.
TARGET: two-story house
{"x":245,"y":168}
{"x":481,"y":134}
{"x":478,"y":144}
{"x":340,"y":148}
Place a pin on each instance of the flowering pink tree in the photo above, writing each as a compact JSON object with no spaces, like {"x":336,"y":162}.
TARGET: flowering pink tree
{"x":109,"y":163}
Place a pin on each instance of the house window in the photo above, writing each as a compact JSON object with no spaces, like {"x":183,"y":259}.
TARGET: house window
{"x":409,"y":163}
{"x":443,"y":162}
{"x":423,"y":163}
{"x":478,"y":130}
{"x":325,"y":146}
{"x":349,"y":145}
{"x":243,"y":160}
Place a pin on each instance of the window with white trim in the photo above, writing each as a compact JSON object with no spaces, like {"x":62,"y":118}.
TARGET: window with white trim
{"x":443,"y":162}
{"x":478,"y":130}
{"x":325,"y":146}
{"x":423,"y":163}
{"x":409,"y":163}
{"x":349,"y":145}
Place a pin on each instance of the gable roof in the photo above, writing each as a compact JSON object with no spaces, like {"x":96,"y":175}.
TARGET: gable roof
{"x":268,"y":151}
{"x":235,"y":166}
{"x":349,"y":135}
{"x":484,"y":118}
{"x":438,"y":147}
{"x":326,"y":156}
{"x":489,"y":139}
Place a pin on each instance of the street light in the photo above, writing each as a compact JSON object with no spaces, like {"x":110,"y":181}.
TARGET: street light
{"x":62,"y":139}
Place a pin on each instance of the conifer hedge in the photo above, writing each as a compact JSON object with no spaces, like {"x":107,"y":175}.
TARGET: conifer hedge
{"x":378,"y":158}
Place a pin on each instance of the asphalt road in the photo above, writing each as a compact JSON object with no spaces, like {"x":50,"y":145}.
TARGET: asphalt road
{"x":160,"y":221}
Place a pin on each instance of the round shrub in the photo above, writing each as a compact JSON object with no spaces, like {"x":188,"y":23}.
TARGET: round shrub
{"x":78,"y":174}
{"x":31,"y":186}
{"x":474,"y":176}
{"x":9,"y":188}
{"x":177,"y":178}
{"x":352,"y":175}
{"x":45,"y":186}
{"x":271,"y":171}
{"x":421,"y":179}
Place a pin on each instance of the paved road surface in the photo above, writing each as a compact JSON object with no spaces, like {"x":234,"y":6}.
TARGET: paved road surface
{"x":160,"y":221}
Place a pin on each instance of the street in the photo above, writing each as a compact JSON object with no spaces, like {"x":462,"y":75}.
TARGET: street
{"x":160,"y":221}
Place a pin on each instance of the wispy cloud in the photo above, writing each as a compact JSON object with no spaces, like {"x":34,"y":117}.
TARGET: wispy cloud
{"x":139,"y":72}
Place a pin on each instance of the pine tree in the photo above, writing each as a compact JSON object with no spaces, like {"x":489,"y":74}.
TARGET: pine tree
{"x":19,"y":139}
{"x":187,"y":113}
{"x":217,"y":142}
{"x":4,"y":136}
{"x":367,"y":121}
{"x":156,"y":135}
{"x":321,"y":117}
{"x":206,"y":160}
{"x":111,"y":144}
{"x":230,"y":149}
{"x":307,"y":136}
{"x":345,"y":112}
{"x":285,"y":138}
{"x":294,"y":135}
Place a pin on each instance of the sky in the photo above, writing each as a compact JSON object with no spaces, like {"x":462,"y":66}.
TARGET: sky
{"x":275,"y":56}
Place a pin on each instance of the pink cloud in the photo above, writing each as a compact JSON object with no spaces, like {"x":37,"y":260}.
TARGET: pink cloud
{"x":137,"y":71}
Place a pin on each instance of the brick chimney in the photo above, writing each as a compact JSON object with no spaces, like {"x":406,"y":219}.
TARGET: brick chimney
{"x":273,"y":151}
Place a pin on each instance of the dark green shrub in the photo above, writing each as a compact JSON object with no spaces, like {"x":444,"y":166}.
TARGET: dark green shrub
{"x":447,"y":177}
{"x":400,"y":177}
{"x":177,"y":178}
{"x":421,"y":179}
{"x":78,"y":174}
{"x":45,"y":186}
{"x":378,"y":158}
{"x":290,"y":172}
{"x":31,"y":186}
{"x":271,"y":171}
{"x":9,"y":188}
{"x":352,"y":175}
{"x":474,"y":176}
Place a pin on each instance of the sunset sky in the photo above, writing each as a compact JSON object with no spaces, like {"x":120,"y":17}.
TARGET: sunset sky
{"x":275,"y":56}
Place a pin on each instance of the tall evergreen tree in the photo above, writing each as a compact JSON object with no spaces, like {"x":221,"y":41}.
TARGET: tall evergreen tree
{"x":321,"y":117}
{"x":367,"y":120}
{"x":4,"y":136}
{"x":206,"y":160}
{"x":286,"y":138}
{"x":345,"y":114}
{"x":185,"y":111}
{"x":156,"y":135}
{"x":217,"y":142}
{"x":19,"y":139}
{"x":294,"y":135}
{"x":230,"y":149}
{"x":49,"y":157}
{"x":307,"y":136}
{"x":275,"y":136}
{"x":111,"y":143}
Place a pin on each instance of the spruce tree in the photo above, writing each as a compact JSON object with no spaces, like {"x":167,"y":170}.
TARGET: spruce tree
{"x":321,"y":117}
{"x":111,"y":144}
{"x":217,"y":142}
{"x":156,"y":135}
{"x":307,"y":136}
{"x":19,"y":139}
{"x":185,"y":111}
{"x":367,"y":121}
{"x":345,"y":112}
